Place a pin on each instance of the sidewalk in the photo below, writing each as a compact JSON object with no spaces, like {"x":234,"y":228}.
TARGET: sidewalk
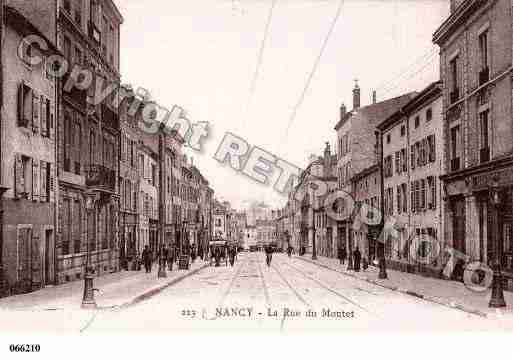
{"x":115,"y":290}
{"x":448,"y":293}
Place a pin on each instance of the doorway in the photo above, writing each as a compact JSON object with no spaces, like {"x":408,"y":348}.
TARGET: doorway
{"x":47,"y":280}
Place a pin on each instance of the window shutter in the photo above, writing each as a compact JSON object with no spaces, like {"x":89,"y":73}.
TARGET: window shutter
{"x":433,"y":147}
{"x":36,"y":109}
{"x":434,"y":193}
{"x":51,"y":120}
{"x":19,"y":178}
{"x":43,"y":195}
{"x":35,"y":180}
{"x":21,"y":105}
{"x":412,"y":157}
{"x":51,"y":181}
{"x":44,"y":128}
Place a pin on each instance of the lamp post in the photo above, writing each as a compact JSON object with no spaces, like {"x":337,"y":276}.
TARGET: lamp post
{"x":497,"y":298}
{"x":88,"y":301}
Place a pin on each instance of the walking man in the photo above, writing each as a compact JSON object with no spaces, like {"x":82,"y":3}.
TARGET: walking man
{"x":342,"y":255}
{"x":269,"y":255}
{"x":357,"y":259}
{"x":146,"y":257}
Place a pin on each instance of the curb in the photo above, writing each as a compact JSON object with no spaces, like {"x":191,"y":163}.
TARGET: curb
{"x":431,"y":299}
{"x":154,"y":291}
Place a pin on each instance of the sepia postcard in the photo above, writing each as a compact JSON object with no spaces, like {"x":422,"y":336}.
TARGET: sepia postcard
{"x":263,"y":166}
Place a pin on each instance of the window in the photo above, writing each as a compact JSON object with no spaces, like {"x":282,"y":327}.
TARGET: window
{"x":77,"y":230}
{"x":387,"y":167}
{"x":404,"y":160}
{"x":454,"y":95}
{"x":403,"y":130}
{"x":422,"y":194}
{"x":412,"y":156}
{"x":78,"y":55}
{"x":78,"y":12}
{"x":25,"y":104}
{"x":67,"y":6}
{"x":404,"y":188}
{"x":483,"y":49}
{"x":417,"y":121}
{"x":388,"y":138}
{"x":398,"y":165}
{"x":431,"y":192}
{"x":455,"y":146}
{"x":483,"y":122}
{"x":399,"y":200}
{"x":67,"y":49}
{"x":429,"y":115}
{"x":431,"y":148}
{"x":66,"y":227}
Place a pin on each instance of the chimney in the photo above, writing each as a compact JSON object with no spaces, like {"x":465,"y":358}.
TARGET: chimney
{"x":374,"y":97}
{"x":327,"y":160}
{"x":343,"y":111}
{"x":356,"y":96}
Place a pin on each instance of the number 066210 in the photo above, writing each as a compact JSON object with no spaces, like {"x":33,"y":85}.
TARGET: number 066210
{"x":24,"y":348}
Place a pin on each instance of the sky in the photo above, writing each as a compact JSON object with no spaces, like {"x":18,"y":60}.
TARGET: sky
{"x":207,"y":57}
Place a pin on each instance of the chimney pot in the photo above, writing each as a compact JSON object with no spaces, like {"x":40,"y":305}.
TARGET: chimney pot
{"x":374,"y":96}
{"x":356,"y":96}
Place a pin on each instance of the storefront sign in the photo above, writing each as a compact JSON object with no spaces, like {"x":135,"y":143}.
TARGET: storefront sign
{"x":484,"y":181}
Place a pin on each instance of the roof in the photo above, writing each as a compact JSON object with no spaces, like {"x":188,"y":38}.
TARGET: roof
{"x":377,"y":111}
{"x":364,"y":173}
{"x":429,"y":94}
{"x":23,"y":25}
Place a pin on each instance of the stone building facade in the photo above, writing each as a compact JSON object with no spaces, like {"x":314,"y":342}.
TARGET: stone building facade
{"x":356,"y":139}
{"x":27,"y":154}
{"x":88,"y":141}
{"x":413,"y":161}
{"x":476,"y":70}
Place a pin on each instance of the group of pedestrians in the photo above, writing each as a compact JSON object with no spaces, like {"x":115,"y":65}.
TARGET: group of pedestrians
{"x":167,"y":256}
{"x":358,"y":262}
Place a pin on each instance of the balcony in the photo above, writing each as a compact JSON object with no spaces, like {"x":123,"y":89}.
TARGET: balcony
{"x":484,"y":76}
{"x":101,"y":177}
{"x":484,"y":154}
{"x":109,"y":117}
{"x":455,"y":164}
{"x":454,"y":95}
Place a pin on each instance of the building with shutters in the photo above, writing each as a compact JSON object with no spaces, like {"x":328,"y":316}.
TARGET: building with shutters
{"x":476,"y":65}
{"x":356,"y":139}
{"x":88,"y":141}
{"x":27,"y":151}
{"x":129,"y":242}
{"x":413,"y":160}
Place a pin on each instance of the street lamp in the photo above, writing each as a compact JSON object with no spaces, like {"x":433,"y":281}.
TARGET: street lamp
{"x":497,"y":298}
{"x":88,"y":301}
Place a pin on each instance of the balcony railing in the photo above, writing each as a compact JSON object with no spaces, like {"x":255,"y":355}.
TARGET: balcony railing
{"x":484,"y":76}
{"x":454,"y":95}
{"x":101,"y":176}
{"x":455,"y":164}
{"x":484,"y":154}
{"x":109,"y":117}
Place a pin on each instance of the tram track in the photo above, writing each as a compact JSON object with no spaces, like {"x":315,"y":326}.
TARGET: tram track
{"x":331,"y":290}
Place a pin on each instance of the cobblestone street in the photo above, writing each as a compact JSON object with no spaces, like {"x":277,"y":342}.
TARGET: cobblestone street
{"x":252,"y":296}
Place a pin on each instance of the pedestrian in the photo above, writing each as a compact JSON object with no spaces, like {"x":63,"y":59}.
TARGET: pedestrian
{"x":146,"y":257}
{"x":342,"y":255}
{"x":357,"y":259}
{"x":232,"y":256}
{"x":268,"y":255}
{"x":171,"y":257}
